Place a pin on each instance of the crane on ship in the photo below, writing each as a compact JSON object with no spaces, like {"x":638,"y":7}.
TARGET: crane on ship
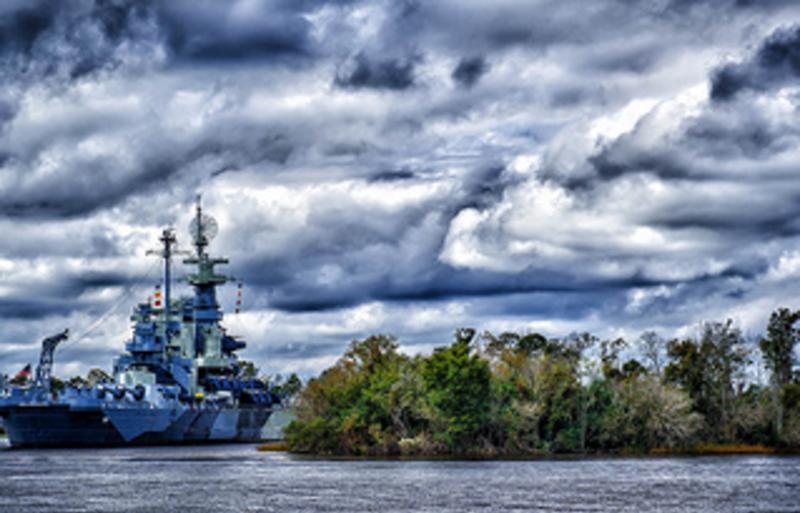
{"x":44,"y":371}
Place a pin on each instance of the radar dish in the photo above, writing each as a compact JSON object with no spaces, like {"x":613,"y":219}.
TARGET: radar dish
{"x":207,"y":228}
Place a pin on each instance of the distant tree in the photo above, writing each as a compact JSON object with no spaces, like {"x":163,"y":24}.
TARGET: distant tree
{"x":514,"y":417}
{"x":609,"y":356}
{"x":652,"y":347}
{"x":287,"y":388}
{"x":754,"y":414}
{"x":574,"y":346}
{"x":408,"y":407}
{"x":95,"y":376}
{"x":791,"y":402}
{"x":292,"y":386}
{"x":77,"y":381}
{"x":247,"y":369}
{"x":560,"y":402}
{"x":778,"y":351}
{"x":602,"y":410}
{"x":531,"y":343}
{"x":497,"y":344}
{"x":632,"y":369}
{"x":651,"y":414}
{"x":707,"y":369}
{"x":57,"y":385}
{"x":577,"y":346}
{"x":528,"y":344}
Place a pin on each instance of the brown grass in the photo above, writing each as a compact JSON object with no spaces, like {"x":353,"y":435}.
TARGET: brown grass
{"x":275,"y":446}
{"x":717,"y":449}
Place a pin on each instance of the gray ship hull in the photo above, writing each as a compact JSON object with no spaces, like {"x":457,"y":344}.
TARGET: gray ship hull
{"x":62,"y":426}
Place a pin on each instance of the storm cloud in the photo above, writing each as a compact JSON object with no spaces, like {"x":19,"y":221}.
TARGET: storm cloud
{"x":470,"y":70}
{"x":776,"y":63}
{"x":405,"y":167}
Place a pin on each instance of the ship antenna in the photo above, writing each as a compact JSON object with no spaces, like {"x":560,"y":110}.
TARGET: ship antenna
{"x":167,"y":251}
{"x":203,"y":228}
{"x":199,"y":237}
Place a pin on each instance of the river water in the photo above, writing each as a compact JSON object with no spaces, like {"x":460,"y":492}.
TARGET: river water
{"x":238,"y":478}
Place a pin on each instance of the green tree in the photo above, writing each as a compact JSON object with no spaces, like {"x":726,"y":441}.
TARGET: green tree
{"x":292,"y":386}
{"x":78,"y":381}
{"x":708,"y":369}
{"x":95,"y":376}
{"x":778,"y":351}
{"x":525,"y":394}
{"x":56,"y":385}
{"x":609,"y":356}
{"x":350,"y":407}
{"x":458,"y":386}
{"x":513,"y":425}
{"x":247,"y":369}
{"x":563,"y":409}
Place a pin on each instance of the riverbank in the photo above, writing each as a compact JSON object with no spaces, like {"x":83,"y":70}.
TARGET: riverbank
{"x":725,"y":450}
{"x":698,"y":450}
{"x":273,"y":446}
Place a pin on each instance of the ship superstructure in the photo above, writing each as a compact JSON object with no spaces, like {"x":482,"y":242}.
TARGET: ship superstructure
{"x":179,"y":380}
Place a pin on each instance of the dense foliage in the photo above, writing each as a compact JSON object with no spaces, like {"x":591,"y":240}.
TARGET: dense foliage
{"x":524,"y":394}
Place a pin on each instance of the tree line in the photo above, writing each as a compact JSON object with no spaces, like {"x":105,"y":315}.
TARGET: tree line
{"x":517,"y":394}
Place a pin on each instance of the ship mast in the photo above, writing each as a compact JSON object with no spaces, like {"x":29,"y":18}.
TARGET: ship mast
{"x":167,"y":251}
{"x":200,"y":227}
{"x":205,"y":279}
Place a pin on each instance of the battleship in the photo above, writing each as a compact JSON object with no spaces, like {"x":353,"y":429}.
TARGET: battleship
{"x":179,"y":380}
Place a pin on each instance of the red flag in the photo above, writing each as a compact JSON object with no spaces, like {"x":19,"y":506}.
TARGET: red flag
{"x":23,"y":374}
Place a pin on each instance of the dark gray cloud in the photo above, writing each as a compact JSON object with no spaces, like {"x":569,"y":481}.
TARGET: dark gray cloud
{"x":17,"y":309}
{"x":44,"y":38}
{"x":391,"y":73}
{"x":392,"y":175}
{"x":624,"y":156}
{"x":777,"y":62}
{"x":213,"y":31}
{"x":469,"y":70}
{"x":23,"y":23}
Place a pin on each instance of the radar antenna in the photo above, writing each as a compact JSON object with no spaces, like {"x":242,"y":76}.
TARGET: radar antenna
{"x":203,"y":228}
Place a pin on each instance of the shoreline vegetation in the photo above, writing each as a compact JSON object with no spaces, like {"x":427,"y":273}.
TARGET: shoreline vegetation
{"x":522,"y":395}
{"x":698,"y":450}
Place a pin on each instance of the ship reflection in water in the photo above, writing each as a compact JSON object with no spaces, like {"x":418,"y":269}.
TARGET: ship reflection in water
{"x":237,"y":478}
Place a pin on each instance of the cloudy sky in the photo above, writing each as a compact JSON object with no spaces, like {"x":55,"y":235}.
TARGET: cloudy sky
{"x":399,"y":166}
